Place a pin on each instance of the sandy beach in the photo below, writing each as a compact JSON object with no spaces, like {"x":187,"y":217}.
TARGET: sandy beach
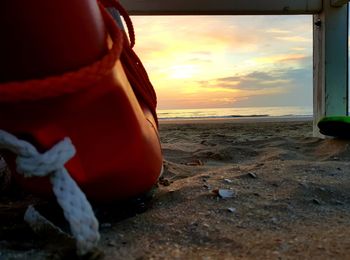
{"x":231,"y":189}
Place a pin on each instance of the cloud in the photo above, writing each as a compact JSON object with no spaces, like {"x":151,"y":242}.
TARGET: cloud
{"x":260,"y":80}
{"x":210,"y":61}
{"x":279,"y":87}
{"x":251,"y":81}
{"x":199,"y":57}
{"x":202,"y":53}
{"x":281,"y":58}
{"x":293,"y":38}
{"x":298,"y":48}
{"x":200,"y":35}
{"x":277,"y":31}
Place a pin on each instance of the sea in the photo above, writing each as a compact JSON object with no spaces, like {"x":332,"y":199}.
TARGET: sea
{"x":235,"y":112}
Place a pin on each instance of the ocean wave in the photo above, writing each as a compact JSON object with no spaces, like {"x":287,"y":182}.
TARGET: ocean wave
{"x":246,"y":112}
{"x":211,"y":117}
{"x":231,"y":116}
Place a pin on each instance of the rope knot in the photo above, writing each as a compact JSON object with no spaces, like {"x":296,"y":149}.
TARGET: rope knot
{"x":42,"y":164}
{"x":76,"y":208}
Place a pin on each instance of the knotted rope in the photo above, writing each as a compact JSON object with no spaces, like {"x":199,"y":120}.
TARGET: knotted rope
{"x":76,"y":208}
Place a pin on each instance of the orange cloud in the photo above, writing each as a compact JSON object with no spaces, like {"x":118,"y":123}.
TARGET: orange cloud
{"x":293,"y":39}
{"x":277,"y":31}
{"x":280,"y":58}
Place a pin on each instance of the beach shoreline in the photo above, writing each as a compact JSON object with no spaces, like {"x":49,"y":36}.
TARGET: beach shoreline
{"x":271,"y":119}
{"x":231,"y":189}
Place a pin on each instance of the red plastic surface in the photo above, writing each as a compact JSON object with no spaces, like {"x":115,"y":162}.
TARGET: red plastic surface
{"x":116,"y":137}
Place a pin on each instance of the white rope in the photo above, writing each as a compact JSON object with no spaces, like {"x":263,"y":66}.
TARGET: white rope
{"x":76,"y":208}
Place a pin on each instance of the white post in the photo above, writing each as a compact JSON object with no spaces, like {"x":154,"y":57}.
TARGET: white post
{"x":330,"y":62}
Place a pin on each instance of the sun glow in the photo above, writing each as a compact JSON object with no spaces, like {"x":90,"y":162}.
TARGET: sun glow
{"x":183,"y":71}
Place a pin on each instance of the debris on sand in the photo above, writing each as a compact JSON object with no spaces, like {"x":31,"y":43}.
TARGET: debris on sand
{"x":232,"y":210}
{"x":225,"y":193}
{"x":196,"y":162}
{"x":206,"y":186}
{"x":228,"y":181}
{"x":164,"y":182}
{"x":252,"y":175}
{"x":46,"y":229}
{"x":316,"y":201}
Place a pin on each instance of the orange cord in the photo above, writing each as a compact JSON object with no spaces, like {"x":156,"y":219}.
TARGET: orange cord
{"x":115,"y":4}
{"x":132,"y":64}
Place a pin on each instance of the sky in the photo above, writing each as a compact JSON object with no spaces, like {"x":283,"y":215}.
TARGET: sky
{"x":227,"y":61}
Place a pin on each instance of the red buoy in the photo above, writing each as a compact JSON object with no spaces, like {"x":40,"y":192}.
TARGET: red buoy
{"x":67,"y":70}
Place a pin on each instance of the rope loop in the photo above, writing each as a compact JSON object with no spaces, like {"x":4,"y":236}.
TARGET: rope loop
{"x":116,"y":4}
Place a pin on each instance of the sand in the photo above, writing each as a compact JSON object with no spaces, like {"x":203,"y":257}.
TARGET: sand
{"x":289,"y":199}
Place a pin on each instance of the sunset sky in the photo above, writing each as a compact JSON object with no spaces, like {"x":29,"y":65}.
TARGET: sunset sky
{"x":227,"y":61}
